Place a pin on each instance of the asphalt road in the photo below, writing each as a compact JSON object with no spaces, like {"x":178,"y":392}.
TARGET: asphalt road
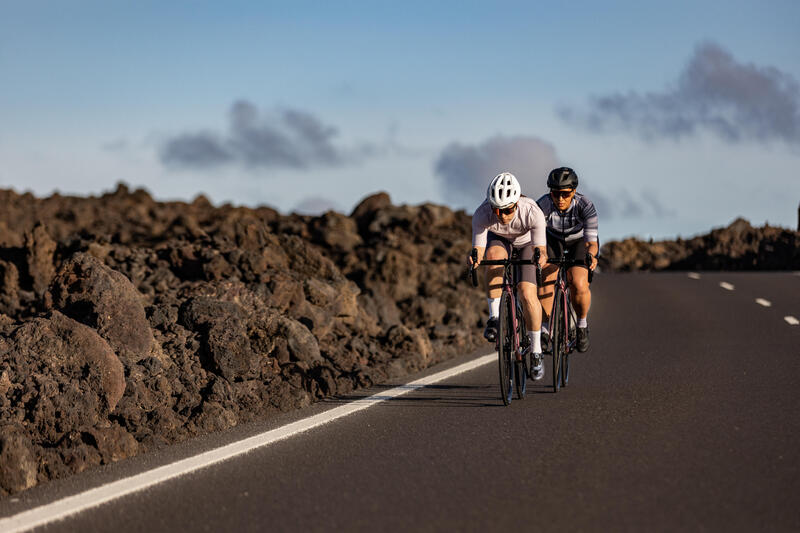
{"x":684,"y":415}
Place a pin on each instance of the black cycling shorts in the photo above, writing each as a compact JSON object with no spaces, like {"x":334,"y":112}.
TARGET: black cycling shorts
{"x":523,"y":272}
{"x":573,"y":250}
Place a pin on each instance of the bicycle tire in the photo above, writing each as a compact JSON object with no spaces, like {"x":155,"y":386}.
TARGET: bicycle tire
{"x":565,"y":357}
{"x":521,"y":370}
{"x":505,"y":348}
{"x":556,"y":339}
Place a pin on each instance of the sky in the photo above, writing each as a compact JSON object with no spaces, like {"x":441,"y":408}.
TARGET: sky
{"x":677,"y":116}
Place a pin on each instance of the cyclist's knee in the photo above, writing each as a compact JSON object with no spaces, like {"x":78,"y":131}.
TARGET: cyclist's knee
{"x":528,"y":291}
{"x":496,"y":252}
{"x":580,"y":285}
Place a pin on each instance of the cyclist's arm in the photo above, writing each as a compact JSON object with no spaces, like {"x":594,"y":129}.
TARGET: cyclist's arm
{"x":592,"y":248}
{"x":539,"y":235}
{"x":480,"y":235}
{"x":590,"y":230}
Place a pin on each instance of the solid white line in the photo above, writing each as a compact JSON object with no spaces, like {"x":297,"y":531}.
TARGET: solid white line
{"x":791,"y":320}
{"x":63,"y":508}
{"x":693,"y":275}
{"x":762,"y":301}
{"x":725,"y":285}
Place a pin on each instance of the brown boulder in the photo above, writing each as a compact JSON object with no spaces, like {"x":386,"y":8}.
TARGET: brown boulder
{"x":90,"y":292}
{"x":224,"y":332}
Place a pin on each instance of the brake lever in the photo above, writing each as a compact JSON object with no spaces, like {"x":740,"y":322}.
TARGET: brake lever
{"x":474,"y":270}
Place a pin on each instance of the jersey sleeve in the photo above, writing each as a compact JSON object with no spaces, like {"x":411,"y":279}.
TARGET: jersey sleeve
{"x":480,"y":230}
{"x":539,"y":228}
{"x":589,"y":215}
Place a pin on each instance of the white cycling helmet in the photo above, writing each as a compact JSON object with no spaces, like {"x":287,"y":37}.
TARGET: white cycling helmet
{"x":503,"y":191}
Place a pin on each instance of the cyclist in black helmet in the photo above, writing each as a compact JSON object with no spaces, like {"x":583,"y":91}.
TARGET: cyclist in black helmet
{"x":572,"y":225}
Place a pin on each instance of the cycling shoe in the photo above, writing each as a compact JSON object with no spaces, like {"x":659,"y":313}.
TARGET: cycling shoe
{"x":490,"y":333}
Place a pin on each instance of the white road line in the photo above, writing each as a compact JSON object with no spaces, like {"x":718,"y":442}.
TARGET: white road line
{"x":762,"y":301}
{"x":791,"y":320}
{"x":694,"y":275}
{"x":63,"y":508}
{"x":725,"y":285}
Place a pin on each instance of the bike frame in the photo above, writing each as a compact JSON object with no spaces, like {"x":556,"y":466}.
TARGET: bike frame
{"x":562,"y":292}
{"x":510,"y":287}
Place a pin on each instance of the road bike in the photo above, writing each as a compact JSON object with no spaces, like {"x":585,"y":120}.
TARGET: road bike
{"x":512,"y":336}
{"x":563,"y":320}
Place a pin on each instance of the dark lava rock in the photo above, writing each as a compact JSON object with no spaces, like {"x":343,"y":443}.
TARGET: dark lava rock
{"x":225,"y":341}
{"x":40,"y":249}
{"x":18,"y":465}
{"x":739,"y":246}
{"x":128,"y":324}
{"x":90,"y":292}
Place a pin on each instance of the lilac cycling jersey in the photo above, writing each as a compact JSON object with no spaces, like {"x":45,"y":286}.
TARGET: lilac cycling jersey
{"x":526,"y":228}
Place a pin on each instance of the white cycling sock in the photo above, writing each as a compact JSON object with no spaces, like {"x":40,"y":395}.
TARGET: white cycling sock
{"x":494,"y":307}
{"x":582,"y":323}
{"x":536,"y":341}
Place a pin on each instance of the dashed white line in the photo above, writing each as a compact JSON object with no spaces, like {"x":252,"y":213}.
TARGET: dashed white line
{"x":694,"y":275}
{"x":791,"y":320}
{"x":762,"y":301}
{"x":725,"y":285}
{"x":63,"y":508}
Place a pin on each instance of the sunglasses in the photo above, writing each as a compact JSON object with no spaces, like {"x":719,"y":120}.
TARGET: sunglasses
{"x":506,"y":210}
{"x":562,"y":194}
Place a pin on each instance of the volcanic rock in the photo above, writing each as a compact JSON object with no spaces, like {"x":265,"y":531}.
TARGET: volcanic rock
{"x":90,"y":292}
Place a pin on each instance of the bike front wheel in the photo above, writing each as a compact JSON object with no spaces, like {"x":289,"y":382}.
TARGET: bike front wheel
{"x":505,"y":348}
{"x":568,"y":339}
{"x":521,"y":365}
{"x":556,"y":339}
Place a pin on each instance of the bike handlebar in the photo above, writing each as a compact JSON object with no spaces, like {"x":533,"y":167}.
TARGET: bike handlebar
{"x":535,"y":261}
{"x":495,"y":262}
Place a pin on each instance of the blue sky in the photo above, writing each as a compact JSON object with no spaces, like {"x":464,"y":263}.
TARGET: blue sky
{"x":678,"y":116}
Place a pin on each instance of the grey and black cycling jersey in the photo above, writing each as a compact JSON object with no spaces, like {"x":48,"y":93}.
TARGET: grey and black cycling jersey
{"x":578,"y":221}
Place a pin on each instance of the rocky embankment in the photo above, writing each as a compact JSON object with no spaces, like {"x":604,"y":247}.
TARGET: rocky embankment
{"x":127,"y":324}
{"x":739,"y":246}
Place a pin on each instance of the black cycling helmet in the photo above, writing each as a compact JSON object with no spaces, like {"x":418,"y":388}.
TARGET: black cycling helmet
{"x":562,"y":178}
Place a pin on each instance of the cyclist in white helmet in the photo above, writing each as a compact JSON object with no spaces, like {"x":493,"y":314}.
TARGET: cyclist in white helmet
{"x":507,"y":220}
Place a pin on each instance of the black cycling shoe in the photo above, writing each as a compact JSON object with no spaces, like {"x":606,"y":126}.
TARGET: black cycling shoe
{"x":546,"y":348}
{"x":490,"y":333}
{"x":583,"y":339}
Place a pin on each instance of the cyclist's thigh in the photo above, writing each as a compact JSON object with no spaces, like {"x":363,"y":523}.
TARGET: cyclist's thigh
{"x":578,"y":275}
{"x":497,"y":247}
{"x":526,"y":273}
{"x":554,"y":247}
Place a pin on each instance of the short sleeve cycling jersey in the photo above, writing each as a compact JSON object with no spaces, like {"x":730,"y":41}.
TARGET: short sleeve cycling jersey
{"x":578,"y":221}
{"x":526,"y":228}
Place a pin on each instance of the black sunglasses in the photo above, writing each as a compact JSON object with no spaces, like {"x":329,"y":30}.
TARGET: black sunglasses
{"x":562,"y":194}
{"x":506,"y":210}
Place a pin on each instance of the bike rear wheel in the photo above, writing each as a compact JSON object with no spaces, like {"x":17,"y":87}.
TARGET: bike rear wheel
{"x":556,"y":337}
{"x":505,"y":348}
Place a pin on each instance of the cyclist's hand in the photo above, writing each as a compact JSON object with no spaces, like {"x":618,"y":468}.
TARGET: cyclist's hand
{"x":592,"y":261}
{"x":470,"y":261}
{"x":542,"y":257}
